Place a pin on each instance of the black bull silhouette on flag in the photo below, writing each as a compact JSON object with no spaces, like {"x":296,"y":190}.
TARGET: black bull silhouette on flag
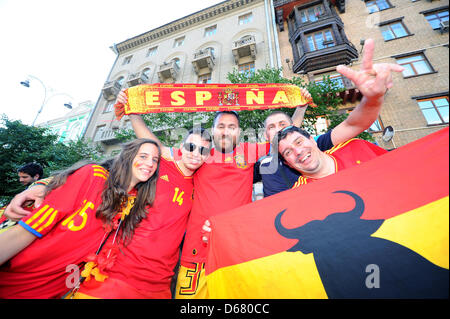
{"x":343,"y":247}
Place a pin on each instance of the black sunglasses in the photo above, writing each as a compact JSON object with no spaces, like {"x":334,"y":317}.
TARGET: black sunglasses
{"x":190,"y":147}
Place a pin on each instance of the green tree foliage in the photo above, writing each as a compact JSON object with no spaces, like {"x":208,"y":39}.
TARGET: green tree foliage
{"x":21,"y":144}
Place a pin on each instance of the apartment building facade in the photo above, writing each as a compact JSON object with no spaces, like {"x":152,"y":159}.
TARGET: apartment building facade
{"x":317,"y":35}
{"x":199,"y":48}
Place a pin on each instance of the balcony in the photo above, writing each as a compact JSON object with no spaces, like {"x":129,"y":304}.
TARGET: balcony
{"x":136,"y":79}
{"x":111,"y":89}
{"x":106,"y":136}
{"x":350,"y":94}
{"x":168,"y":70}
{"x":243,"y":48}
{"x":324,"y":58}
{"x":203,"y":59}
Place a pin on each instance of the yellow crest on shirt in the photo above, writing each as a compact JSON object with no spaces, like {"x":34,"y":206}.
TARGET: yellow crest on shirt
{"x":240,"y":161}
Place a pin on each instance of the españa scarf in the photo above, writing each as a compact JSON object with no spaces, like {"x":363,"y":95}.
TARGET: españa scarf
{"x":155,"y":98}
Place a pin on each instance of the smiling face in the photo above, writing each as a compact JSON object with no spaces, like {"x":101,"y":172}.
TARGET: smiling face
{"x":274,"y":123}
{"x":194,"y":159}
{"x":226,"y":132}
{"x":144,"y":163}
{"x":301,"y":153}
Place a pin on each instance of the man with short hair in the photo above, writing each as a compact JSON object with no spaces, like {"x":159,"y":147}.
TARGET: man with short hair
{"x":300,"y":152}
{"x":29,"y":173}
{"x":373,"y":81}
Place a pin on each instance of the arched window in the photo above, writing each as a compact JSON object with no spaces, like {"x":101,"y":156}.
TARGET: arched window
{"x":121,"y":80}
{"x":177,"y":61}
{"x":146,"y":72}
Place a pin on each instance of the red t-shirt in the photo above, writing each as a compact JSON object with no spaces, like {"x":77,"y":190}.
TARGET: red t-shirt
{"x":348,"y":154}
{"x":67,"y":231}
{"x":147,"y":263}
{"x":222,"y":183}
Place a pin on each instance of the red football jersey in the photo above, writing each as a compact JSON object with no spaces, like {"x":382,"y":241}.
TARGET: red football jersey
{"x":67,"y":231}
{"x":223,"y":183}
{"x":348,"y":154}
{"x":147,"y":263}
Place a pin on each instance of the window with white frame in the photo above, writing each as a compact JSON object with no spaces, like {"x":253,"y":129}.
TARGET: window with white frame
{"x":127,"y":60}
{"x":210,"y":31}
{"x":152,"y":51}
{"x":178,"y":42}
{"x":109,"y":107}
{"x":245,"y":19}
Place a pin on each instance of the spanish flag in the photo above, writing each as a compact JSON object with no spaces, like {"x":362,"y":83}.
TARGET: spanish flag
{"x":377,"y":230}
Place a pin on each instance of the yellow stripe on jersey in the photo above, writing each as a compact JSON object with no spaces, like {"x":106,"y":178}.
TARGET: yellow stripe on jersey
{"x":49,"y":221}
{"x":339,"y":146}
{"x":36,"y":215}
{"x":101,"y":175}
{"x":43,"y":218}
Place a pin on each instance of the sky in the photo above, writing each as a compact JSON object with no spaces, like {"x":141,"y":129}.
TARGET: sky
{"x":66,"y":44}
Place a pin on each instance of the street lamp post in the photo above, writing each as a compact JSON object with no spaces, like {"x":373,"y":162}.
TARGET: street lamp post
{"x":26,"y":83}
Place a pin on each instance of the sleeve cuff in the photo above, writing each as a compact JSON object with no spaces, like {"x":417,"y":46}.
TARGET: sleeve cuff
{"x":31,"y":230}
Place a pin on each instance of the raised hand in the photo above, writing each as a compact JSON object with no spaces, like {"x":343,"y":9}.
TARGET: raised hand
{"x":372,"y":80}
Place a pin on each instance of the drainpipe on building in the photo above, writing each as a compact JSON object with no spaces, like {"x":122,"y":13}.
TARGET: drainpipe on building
{"x":266,"y":7}
{"x":275,"y":33}
{"x":100,"y":95}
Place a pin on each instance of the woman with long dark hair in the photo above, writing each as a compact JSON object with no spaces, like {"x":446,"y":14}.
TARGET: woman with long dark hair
{"x":87,"y":210}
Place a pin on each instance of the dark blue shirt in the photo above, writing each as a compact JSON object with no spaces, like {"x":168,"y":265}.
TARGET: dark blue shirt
{"x":277,"y":176}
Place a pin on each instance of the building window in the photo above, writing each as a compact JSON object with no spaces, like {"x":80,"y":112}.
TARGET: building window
{"x":246,"y":18}
{"x":152,"y":51}
{"x":210,"y":31}
{"x":435,"y":18}
{"x":178,"y":42}
{"x":377,"y":5}
{"x":320,"y":40}
{"x":415,"y":65}
{"x":321,"y":125}
{"x":205,"y":78}
{"x":393,"y":30}
{"x":109,"y":107}
{"x":247,"y":68}
{"x":146,"y":73}
{"x":311,"y":14}
{"x":177,"y":62}
{"x":120,"y":81}
{"x":336,"y":78}
{"x":435,"y":110}
{"x":127,"y":60}
{"x":376,"y":126}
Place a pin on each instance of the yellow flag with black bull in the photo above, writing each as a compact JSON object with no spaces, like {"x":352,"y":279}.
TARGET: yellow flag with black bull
{"x":376,"y":230}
